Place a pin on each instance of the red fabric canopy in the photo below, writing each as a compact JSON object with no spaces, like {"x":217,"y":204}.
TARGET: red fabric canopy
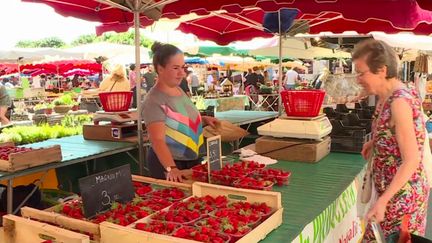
{"x":228,"y":27}
{"x":120,"y":20}
{"x":60,"y":67}
{"x":400,"y":13}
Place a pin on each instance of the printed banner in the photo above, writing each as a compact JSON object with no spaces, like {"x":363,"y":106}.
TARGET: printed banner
{"x":339,"y":222}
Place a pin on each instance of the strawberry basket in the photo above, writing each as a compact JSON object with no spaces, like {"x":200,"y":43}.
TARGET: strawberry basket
{"x":116,"y":101}
{"x":303,"y":103}
{"x":202,"y":234}
{"x":254,"y":183}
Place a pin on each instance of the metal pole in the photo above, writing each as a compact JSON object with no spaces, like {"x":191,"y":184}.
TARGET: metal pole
{"x":9,"y":194}
{"x":138,"y":87}
{"x":280,"y":66}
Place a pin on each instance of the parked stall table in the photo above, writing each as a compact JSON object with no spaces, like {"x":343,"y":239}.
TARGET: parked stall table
{"x":75,"y":149}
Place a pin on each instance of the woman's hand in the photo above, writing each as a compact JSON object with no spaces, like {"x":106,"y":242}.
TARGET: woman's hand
{"x":377,"y":212}
{"x":211,"y":121}
{"x":175,"y":175}
{"x":367,"y":150}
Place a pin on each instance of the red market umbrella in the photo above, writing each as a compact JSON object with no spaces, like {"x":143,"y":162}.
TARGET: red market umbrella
{"x":227,"y":27}
{"x":401,"y":13}
{"x":224,"y":28}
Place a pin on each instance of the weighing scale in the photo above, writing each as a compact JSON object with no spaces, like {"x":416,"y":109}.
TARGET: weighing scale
{"x":115,"y":117}
{"x":113,"y":126}
{"x":297,"y":127}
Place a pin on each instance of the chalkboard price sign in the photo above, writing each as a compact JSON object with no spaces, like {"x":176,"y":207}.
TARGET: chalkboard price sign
{"x":214,"y":154}
{"x":99,"y":191}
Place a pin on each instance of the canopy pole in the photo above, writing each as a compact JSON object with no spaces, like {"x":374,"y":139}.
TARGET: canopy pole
{"x":138,"y":87}
{"x":280,"y":66}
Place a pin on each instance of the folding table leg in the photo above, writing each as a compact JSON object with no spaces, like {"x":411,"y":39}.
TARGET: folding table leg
{"x":9,"y":196}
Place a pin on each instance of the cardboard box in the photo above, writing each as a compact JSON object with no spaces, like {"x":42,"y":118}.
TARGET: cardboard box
{"x":290,"y":149}
{"x":108,"y":132}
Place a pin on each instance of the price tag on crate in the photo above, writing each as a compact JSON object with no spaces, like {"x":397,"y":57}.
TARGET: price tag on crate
{"x":214,"y":154}
{"x":99,"y":191}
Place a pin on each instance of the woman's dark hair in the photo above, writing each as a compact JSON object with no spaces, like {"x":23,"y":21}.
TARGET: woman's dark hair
{"x":132,"y":67}
{"x":378,"y":54}
{"x":162,"y":53}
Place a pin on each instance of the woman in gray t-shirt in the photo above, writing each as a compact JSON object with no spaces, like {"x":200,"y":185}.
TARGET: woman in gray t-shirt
{"x":173,"y":123}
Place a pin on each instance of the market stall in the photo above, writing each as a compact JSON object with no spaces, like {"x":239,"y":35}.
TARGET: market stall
{"x":236,"y":102}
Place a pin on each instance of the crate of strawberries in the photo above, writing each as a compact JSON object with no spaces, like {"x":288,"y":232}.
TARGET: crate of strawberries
{"x":70,"y":215}
{"x":209,"y":215}
{"x":14,"y":158}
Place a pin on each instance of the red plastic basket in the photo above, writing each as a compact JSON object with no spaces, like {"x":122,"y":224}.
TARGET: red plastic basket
{"x":116,"y":101}
{"x":303,"y":103}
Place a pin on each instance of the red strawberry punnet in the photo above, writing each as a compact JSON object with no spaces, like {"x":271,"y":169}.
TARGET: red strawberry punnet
{"x":155,"y":204}
{"x":247,"y":216}
{"x":158,"y":227}
{"x":7,"y":150}
{"x":259,"y":208}
{"x":141,"y":189}
{"x":202,"y":234}
{"x":252,"y":183}
{"x":279,"y":177}
{"x":172,"y":194}
{"x":178,"y":216}
{"x":229,"y":225}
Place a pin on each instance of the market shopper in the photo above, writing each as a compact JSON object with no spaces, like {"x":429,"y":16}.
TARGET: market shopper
{"x":398,"y":174}
{"x":116,"y":81}
{"x":5,"y":103}
{"x":173,"y":123}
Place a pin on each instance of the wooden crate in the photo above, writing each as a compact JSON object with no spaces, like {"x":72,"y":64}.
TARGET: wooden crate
{"x":49,"y":216}
{"x":111,"y":233}
{"x":21,"y":230}
{"x":35,"y":157}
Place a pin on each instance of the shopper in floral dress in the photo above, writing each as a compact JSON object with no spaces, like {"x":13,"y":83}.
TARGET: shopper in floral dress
{"x":397,"y":145}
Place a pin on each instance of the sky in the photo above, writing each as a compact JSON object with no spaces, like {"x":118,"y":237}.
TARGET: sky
{"x":34,"y":21}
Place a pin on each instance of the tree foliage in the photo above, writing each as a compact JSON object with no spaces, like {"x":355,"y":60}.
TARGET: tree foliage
{"x":126,"y":38}
{"x":53,"y":42}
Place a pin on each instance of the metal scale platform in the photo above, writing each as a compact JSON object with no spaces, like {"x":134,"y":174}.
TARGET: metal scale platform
{"x":113,"y":126}
{"x":297,"y":127}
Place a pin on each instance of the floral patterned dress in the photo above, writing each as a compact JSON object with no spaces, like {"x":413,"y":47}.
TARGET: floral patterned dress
{"x":412,"y":198}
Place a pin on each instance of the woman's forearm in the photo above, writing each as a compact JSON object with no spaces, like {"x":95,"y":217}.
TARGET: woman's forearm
{"x":163,"y":153}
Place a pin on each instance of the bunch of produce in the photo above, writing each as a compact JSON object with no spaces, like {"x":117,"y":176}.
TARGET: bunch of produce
{"x":7,"y":150}
{"x":245,"y":174}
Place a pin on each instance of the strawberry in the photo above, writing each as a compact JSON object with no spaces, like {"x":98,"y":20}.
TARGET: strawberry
{"x":279,"y":177}
{"x":171,"y":194}
{"x":252,"y":183}
{"x":158,"y":227}
{"x":202,"y":234}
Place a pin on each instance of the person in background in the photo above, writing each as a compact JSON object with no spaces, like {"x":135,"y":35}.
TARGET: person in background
{"x":116,"y":81}
{"x":7,"y":83}
{"x":132,"y":81}
{"x":291,"y":78}
{"x":184,"y":84}
{"x":396,"y":147}
{"x":173,"y":122}
{"x":5,"y":103}
{"x":150,"y":78}
{"x":211,"y":80}
{"x":194,"y":81}
{"x":36,"y":82}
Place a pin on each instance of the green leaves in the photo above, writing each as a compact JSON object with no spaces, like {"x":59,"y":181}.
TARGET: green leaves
{"x":71,"y":125}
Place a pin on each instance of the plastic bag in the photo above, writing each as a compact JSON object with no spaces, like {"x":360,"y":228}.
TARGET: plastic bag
{"x":228,"y":131}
